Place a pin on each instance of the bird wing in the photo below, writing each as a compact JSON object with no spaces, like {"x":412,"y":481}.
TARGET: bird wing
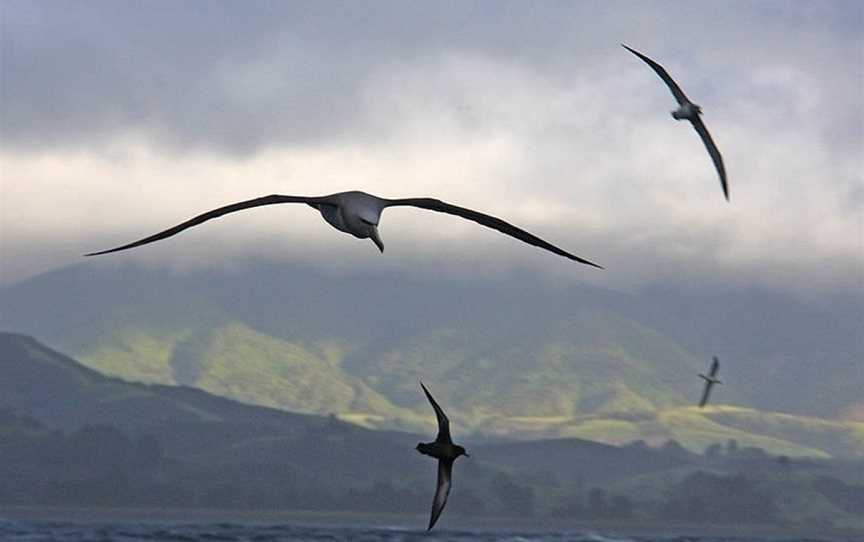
{"x":445,"y":471}
{"x":712,"y":150}
{"x":443,"y":423}
{"x":485,"y":220}
{"x":705,"y":393}
{"x":715,"y":366}
{"x":216,"y":213}
{"x":680,"y":97}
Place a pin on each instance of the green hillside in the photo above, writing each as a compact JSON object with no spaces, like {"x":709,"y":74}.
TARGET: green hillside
{"x":537,"y":389}
{"x":536,"y":362}
{"x":629,"y":368}
{"x":74,"y":437}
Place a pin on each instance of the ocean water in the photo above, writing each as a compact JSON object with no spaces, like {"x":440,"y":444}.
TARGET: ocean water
{"x":45,"y":531}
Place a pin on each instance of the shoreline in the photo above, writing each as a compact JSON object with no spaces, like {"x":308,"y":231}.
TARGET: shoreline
{"x":637,"y":527}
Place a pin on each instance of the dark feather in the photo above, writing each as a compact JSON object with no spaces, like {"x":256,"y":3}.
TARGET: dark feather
{"x":715,"y":366}
{"x":705,"y":393}
{"x":712,"y":150}
{"x":215,"y":213}
{"x":445,"y":470}
{"x":488,"y":221}
{"x":443,"y":422}
{"x":679,"y":95}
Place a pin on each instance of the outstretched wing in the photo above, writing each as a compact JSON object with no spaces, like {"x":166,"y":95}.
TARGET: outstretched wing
{"x":485,"y":220}
{"x":443,"y":423}
{"x":445,"y":471}
{"x":715,"y":366}
{"x":712,"y":150}
{"x":680,"y":97}
{"x":216,"y":213}
{"x":706,"y":393}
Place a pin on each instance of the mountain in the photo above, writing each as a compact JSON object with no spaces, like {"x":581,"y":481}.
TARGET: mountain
{"x":60,"y":393}
{"x":71,"y":433}
{"x":70,"y":436}
{"x":509,"y":356}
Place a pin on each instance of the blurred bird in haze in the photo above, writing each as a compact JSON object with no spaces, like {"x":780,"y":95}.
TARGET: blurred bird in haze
{"x":710,"y":380}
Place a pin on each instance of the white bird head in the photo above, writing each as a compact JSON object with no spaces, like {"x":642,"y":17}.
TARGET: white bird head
{"x":356,"y":213}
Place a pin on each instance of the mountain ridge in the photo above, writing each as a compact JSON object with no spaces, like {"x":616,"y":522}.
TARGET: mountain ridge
{"x":586,"y":365}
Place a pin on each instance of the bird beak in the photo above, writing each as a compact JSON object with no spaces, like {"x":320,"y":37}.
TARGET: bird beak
{"x":466,"y":454}
{"x":376,"y":238}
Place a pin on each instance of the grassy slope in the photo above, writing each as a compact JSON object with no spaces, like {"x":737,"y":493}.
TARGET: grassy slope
{"x":536,"y":388}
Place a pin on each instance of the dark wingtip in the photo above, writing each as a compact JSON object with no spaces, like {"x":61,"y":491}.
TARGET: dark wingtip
{"x":724,"y":184}
{"x":588,"y":262}
{"x":110,"y":250}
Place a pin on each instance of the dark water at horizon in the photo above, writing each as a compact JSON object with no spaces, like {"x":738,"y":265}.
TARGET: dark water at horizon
{"x":51,"y":531}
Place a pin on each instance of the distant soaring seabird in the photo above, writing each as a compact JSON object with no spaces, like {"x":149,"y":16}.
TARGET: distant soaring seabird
{"x":358,"y":213}
{"x":710,"y":380}
{"x":446,"y":452}
{"x":690,"y":111}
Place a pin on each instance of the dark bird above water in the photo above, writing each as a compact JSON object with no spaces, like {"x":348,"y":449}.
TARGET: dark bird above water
{"x":710,"y":380}
{"x":446,"y":452}
{"x":690,"y":111}
{"x":358,"y":213}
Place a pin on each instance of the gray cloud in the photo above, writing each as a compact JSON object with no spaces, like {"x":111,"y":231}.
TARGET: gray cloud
{"x":166,"y":109}
{"x":240,"y":76}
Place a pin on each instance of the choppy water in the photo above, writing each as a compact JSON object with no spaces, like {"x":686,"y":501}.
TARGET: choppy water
{"x":45,"y":531}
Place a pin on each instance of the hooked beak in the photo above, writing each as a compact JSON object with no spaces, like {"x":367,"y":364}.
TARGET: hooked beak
{"x":376,"y":238}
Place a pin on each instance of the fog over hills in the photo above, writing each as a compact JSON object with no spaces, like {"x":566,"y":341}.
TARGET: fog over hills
{"x":509,"y":356}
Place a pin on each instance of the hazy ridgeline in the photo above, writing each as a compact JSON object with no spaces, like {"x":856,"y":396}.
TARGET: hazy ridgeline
{"x":72,"y":437}
{"x":508,"y":348}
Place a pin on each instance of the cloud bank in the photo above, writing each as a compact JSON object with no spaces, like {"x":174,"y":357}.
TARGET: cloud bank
{"x":120,"y":119}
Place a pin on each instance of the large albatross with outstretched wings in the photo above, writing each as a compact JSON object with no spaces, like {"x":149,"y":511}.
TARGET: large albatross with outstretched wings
{"x":359,"y":213}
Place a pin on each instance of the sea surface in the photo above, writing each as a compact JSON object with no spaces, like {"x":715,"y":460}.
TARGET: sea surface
{"x":33,"y":531}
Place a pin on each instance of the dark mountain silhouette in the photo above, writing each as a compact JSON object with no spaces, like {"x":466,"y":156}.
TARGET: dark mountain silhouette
{"x":71,"y":436}
{"x":198,"y":428}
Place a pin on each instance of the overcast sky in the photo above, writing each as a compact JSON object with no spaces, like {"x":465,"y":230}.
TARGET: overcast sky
{"x":122,"y":118}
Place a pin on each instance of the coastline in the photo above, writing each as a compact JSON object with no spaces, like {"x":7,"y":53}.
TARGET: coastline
{"x":629,"y":528}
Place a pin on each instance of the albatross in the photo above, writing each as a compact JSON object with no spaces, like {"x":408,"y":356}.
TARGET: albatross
{"x":358,"y":213}
{"x":689,"y":111}
{"x":446,"y":453}
{"x":710,"y":380}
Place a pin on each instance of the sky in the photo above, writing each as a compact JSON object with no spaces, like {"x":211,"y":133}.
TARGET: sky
{"x":119,"y":119}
